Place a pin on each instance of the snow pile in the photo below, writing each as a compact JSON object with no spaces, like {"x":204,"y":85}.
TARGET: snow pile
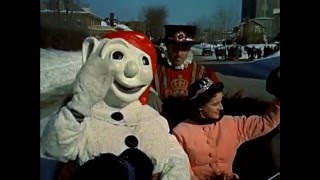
{"x":58,"y":68}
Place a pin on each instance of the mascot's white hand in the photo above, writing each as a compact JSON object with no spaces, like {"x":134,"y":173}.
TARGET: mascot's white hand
{"x":92,"y":81}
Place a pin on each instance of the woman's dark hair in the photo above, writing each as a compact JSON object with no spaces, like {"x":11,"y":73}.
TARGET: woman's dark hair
{"x":239,"y":105}
{"x":200,"y":93}
{"x":198,"y":98}
{"x":142,"y":164}
{"x":105,"y":166}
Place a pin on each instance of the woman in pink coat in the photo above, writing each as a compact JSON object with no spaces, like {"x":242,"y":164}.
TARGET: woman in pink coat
{"x":211,"y":139}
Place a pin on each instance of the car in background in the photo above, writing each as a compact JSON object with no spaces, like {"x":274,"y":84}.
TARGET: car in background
{"x":207,"y":52}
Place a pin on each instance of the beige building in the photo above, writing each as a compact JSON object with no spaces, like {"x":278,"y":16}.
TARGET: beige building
{"x":252,"y":31}
{"x":266,"y":12}
{"x":75,"y":19}
{"x":82,"y":19}
{"x":267,"y":22}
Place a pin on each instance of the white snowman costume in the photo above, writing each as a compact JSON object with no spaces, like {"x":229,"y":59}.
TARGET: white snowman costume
{"x":108,"y":111}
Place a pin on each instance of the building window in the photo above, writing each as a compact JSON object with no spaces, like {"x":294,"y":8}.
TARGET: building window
{"x":257,"y":29}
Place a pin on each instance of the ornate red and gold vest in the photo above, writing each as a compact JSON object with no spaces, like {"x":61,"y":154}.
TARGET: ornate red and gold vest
{"x":175,"y":82}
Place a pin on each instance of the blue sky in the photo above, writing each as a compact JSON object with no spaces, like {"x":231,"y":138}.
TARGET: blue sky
{"x":179,"y":11}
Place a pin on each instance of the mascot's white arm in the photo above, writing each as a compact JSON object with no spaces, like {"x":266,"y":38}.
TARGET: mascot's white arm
{"x":61,"y":138}
{"x":177,"y":166}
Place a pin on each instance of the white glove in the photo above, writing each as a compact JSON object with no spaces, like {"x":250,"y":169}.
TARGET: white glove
{"x":93,"y":80}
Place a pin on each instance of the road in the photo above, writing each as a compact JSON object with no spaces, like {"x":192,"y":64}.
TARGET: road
{"x":258,"y":69}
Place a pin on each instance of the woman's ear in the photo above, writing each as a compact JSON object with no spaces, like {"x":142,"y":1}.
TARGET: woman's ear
{"x":201,"y":114}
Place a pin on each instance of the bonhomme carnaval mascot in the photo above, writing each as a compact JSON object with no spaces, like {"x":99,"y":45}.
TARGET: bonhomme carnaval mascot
{"x":107,"y":113}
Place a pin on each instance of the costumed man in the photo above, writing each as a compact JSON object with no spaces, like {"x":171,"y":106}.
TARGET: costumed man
{"x":176,"y":69}
{"x":107,"y":113}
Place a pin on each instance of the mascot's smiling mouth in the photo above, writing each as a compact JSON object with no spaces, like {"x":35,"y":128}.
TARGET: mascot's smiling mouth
{"x":126,"y":89}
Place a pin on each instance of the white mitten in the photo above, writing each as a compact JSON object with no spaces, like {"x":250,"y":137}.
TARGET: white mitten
{"x":92,"y":81}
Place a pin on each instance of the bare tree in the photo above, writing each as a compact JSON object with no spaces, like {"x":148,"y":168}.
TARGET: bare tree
{"x":205,"y":29}
{"x":223,"y":20}
{"x":69,"y":6}
{"x":53,"y":5}
{"x":155,"y":18}
{"x":212,"y":28}
{"x":202,"y":28}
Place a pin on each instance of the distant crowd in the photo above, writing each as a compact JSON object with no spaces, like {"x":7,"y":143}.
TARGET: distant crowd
{"x":234,"y":52}
{"x":254,"y":52}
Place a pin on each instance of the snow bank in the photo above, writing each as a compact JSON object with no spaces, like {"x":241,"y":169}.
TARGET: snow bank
{"x":58,"y":68}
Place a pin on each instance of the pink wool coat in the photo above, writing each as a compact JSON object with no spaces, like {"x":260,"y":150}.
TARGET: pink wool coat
{"x":212,"y":147}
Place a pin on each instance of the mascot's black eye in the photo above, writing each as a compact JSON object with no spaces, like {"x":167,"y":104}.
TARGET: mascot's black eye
{"x":145,"y":60}
{"x":117,"y":55}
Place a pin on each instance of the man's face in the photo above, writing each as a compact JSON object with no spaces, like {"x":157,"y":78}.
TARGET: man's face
{"x":178,"y":53}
